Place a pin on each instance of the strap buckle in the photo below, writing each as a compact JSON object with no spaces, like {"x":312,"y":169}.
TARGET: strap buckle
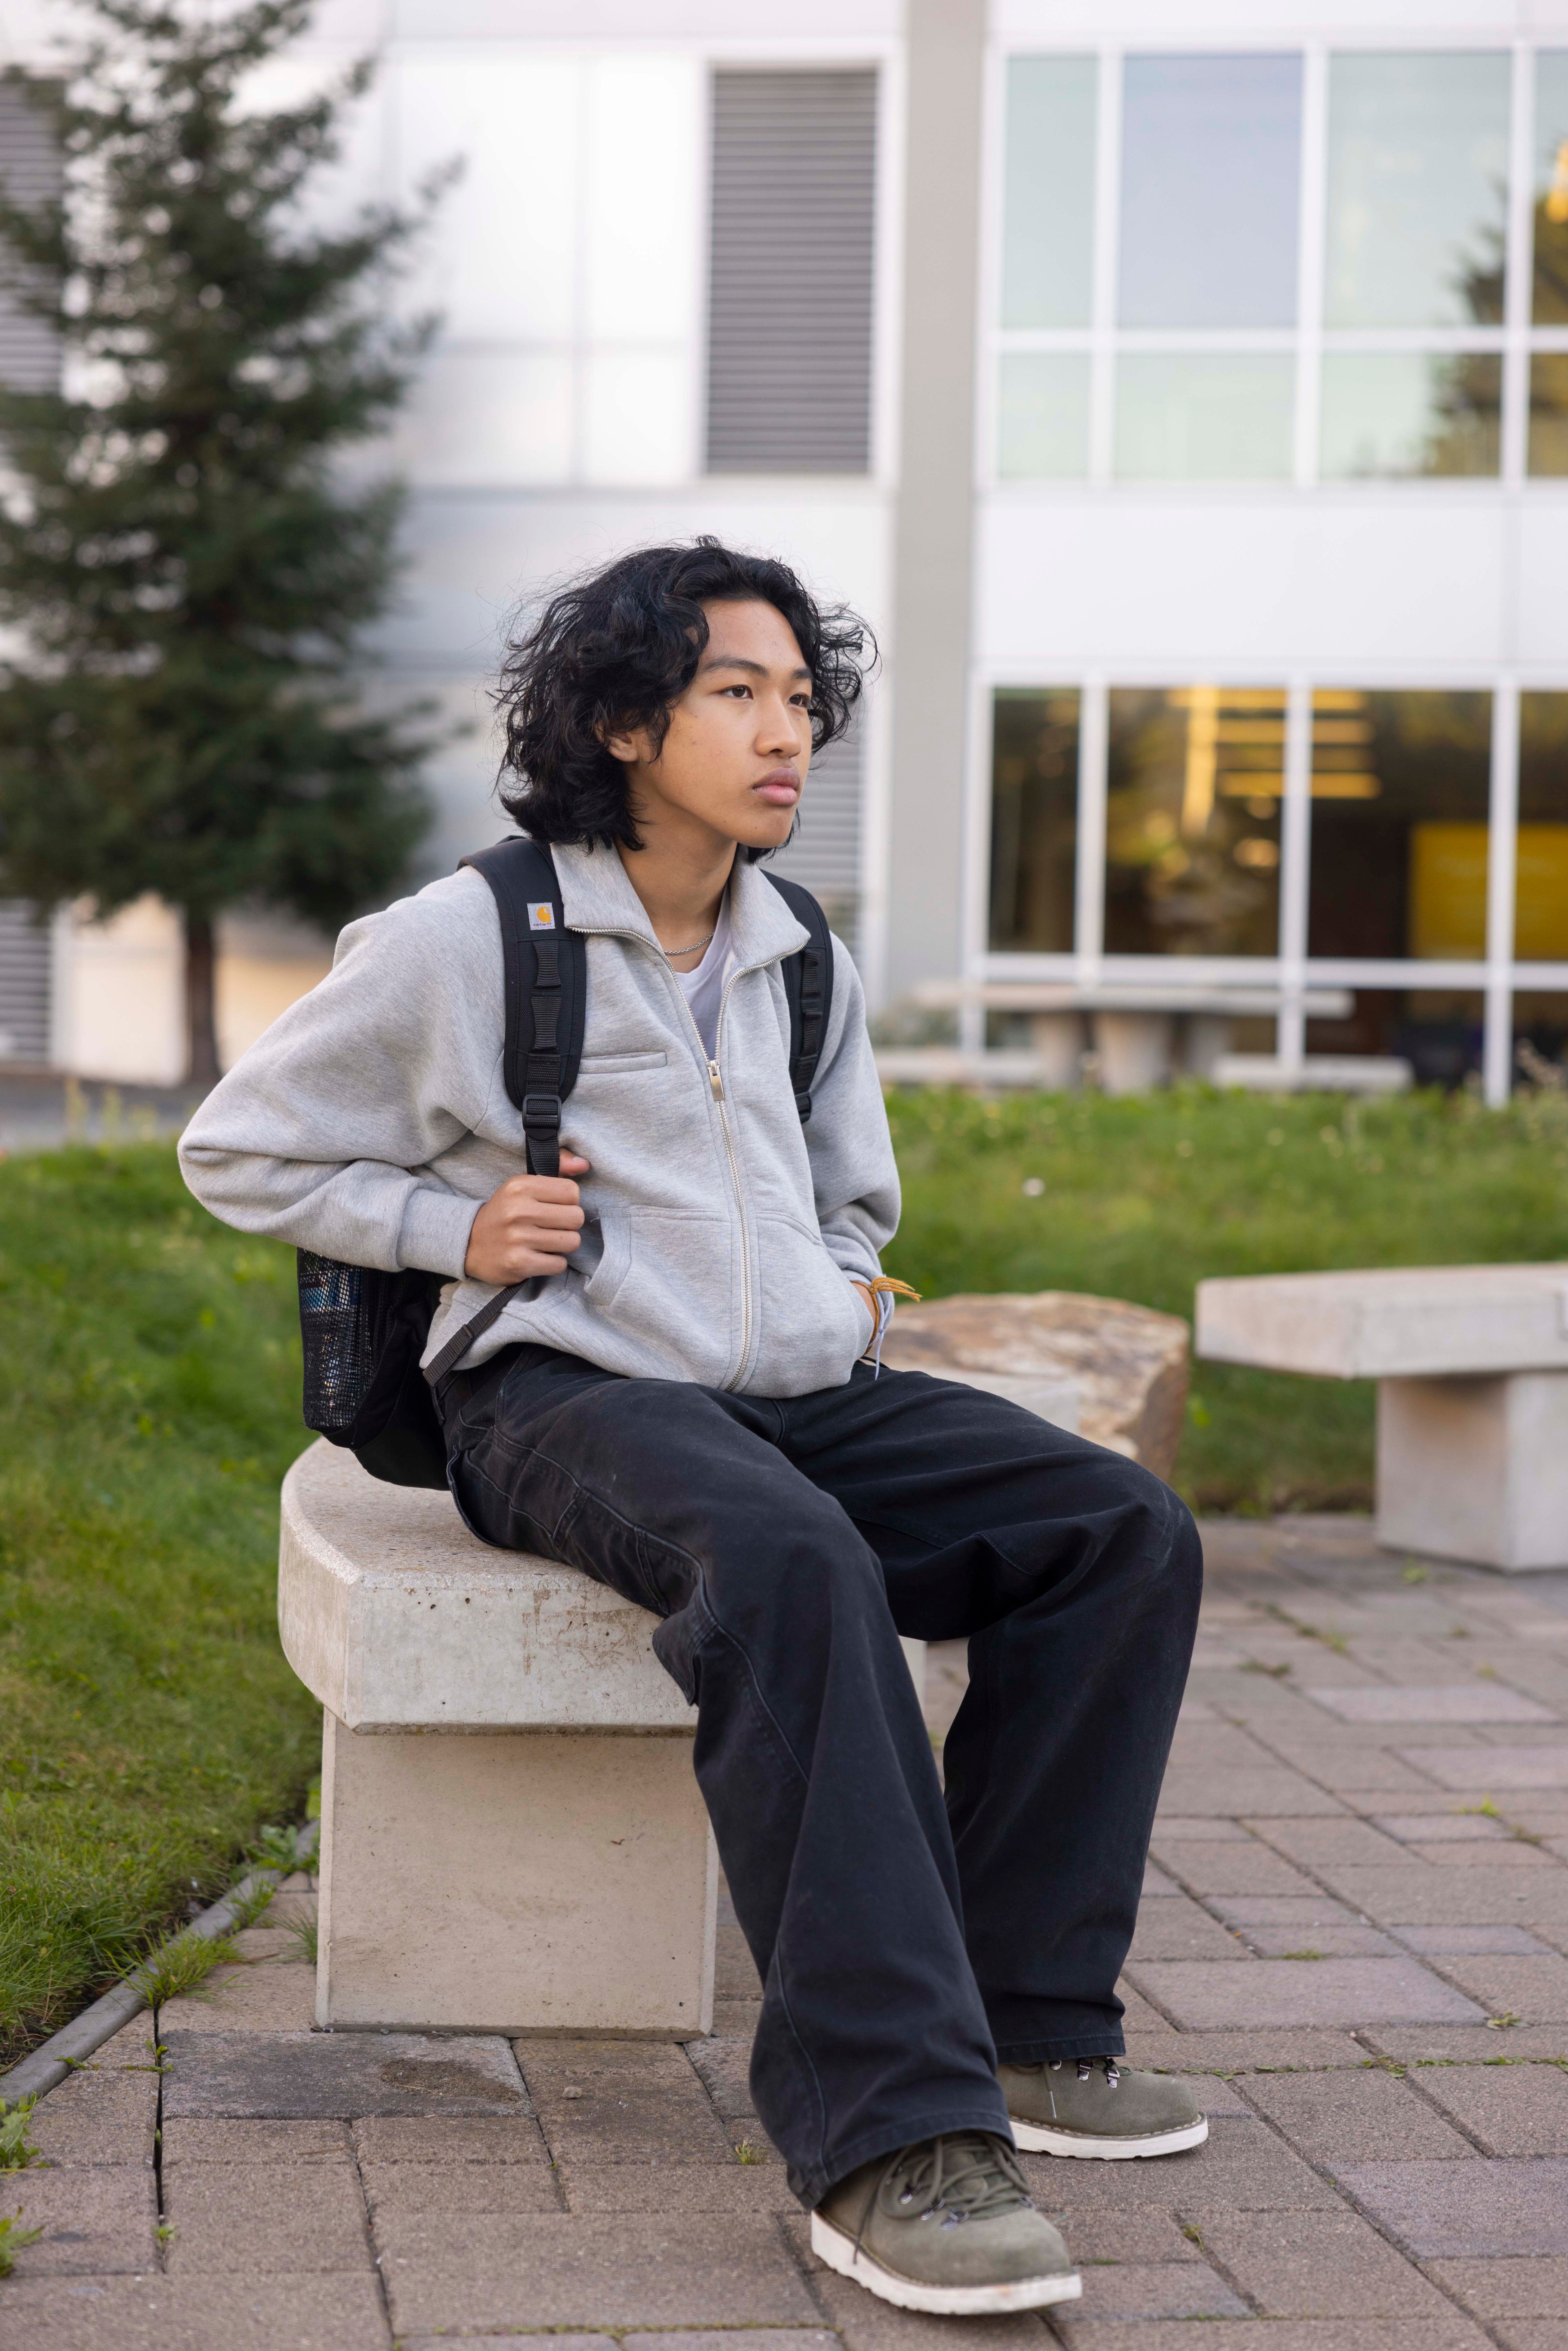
{"x":542,"y":1110}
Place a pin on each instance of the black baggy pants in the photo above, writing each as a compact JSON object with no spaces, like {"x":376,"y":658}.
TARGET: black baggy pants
{"x":904,"y":1942}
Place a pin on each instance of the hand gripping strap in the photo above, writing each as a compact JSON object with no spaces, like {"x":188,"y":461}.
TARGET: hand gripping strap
{"x":808,"y":991}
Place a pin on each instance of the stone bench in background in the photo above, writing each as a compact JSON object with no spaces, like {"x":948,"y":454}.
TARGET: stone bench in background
{"x":1471,"y":1365}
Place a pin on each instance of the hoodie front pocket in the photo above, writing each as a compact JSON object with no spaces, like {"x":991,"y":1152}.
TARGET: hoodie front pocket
{"x":812,"y":1326}
{"x":667,"y":1281}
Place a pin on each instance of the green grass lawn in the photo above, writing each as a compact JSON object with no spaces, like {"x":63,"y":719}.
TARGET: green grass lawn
{"x":149,"y":1385}
{"x":150,"y":1395}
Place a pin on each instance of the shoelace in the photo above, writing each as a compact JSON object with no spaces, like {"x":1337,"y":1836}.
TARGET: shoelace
{"x":1086,"y":2067}
{"x":968,"y":2176}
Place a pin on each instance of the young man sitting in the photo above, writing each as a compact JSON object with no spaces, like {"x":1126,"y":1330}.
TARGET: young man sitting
{"x":683,"y":1402}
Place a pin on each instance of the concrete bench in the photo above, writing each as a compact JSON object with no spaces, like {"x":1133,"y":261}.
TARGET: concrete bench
{"x":1143,"y":1036}
{"x":512,"y":1835}
{"x":1471,"y":1365}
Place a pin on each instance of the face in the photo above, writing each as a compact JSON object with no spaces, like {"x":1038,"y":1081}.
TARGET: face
{"x":732,"y":764}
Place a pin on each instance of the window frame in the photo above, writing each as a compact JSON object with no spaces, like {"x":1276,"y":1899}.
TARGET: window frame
{"x":1516,"y":340}
{"x":1497,"y":977}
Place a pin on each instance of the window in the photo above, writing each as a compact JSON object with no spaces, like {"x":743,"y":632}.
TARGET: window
{"x":1211,"y":417}
{"x":1417,"y":182}
{"x":1048,"y":250}
{"x":1401,"y":794}
{"x":790,"y":272}
{"x":1202,"y":325}
{"x":1548,"y":445}
{"x":1034,"y":819}
{"x":1210,"y":170}
{"x":1541,"y":854}
{"x":1192,"y":822}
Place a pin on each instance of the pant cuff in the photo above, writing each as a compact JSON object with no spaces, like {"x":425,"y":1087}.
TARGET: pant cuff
{"x":1109,"y":2040}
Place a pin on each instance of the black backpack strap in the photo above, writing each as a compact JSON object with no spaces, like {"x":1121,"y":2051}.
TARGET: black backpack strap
{"x":545,"y":990}
{"x":808,"y":989}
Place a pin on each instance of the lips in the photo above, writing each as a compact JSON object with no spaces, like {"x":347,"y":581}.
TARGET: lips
{"x":780,"y":790}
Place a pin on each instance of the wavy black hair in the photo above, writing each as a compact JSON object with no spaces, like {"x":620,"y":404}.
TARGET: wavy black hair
{"x":616,"y":649}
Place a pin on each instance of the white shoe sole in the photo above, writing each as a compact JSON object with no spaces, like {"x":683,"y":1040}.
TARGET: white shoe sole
{"x":841,"y":2253}
{"x":1037,"y":2138}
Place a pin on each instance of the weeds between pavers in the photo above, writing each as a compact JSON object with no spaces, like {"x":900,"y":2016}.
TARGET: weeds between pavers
{"x":17,"y":2149}
{"x":14,"y":2240}
{"x":305,"y":1935}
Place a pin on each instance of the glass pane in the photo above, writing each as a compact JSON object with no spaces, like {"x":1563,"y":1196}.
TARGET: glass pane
{"x":1192,"y":844}
{"x":1042,"y":417}
{"x":1400,"y":800}
{"x":1541,"y":874}
{"x":1210,"y":172}
{"x":1049,"y":239}
{"x":1398,"y":414}
{"x":1549,"y":414}
{"x":1437,"y":1031}
{"x":1034,"y":819}
{"x":1417,"y":182}
{"x":1549,"y":305}
{"x":1540,"y":1039}
{"x":1190,"y":416}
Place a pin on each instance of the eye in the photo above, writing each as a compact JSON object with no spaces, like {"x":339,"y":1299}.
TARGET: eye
{"x":743,"y":690}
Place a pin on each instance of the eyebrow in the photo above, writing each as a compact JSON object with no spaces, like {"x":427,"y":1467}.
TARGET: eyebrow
{"x":753,"y":669}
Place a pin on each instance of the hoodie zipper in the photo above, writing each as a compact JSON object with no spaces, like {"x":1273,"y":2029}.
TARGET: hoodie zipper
{"x":715,"y":1088}
{"x":716,"y":1085}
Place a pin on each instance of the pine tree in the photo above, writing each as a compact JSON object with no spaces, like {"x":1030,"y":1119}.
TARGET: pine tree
{"x":185,"y":570}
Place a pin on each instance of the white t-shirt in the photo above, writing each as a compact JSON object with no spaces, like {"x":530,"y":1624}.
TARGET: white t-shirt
{"x":704,"y":988}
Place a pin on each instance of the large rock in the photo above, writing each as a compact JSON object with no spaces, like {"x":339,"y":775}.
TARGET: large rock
{"x":1128,"y":1364}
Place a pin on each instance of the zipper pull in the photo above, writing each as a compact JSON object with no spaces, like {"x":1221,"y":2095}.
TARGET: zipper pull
{"x":716,"y":1081}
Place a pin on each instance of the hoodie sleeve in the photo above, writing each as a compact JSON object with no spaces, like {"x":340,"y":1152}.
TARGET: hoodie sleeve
{"x":323,"y":1133}
{"x":854,"y":1173}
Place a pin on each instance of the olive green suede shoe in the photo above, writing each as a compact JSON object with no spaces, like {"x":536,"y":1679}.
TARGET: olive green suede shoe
{"x":1097,"y":2106}
{"x":946,"y":2226}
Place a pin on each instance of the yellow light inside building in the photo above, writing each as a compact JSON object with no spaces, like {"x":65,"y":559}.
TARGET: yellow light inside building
{"x":1448,"y":892}
{"x":1541,"y":894}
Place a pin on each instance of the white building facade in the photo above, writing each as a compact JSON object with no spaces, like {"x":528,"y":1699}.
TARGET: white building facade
{"x":1184,"y":399}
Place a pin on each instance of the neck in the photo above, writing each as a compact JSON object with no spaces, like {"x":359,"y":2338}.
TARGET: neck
{"x":681,"y":885}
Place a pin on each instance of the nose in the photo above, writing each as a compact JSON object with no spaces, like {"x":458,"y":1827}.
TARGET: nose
{"x":783,"y":731}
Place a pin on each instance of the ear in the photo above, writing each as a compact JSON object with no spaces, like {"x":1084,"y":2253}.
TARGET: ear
{"x":631,"y":747}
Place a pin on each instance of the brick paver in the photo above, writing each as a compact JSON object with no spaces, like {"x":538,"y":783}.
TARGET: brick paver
{"x":1354,"y":1937}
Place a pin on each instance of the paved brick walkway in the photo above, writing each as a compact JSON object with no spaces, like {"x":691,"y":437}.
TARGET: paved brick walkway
{"x":1354,"y":1930}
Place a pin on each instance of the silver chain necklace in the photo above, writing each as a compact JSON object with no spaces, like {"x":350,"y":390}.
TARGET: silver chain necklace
{"x":670,"y":954}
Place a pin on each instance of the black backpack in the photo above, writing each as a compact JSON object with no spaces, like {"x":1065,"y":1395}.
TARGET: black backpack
{"x":364,"y":1331}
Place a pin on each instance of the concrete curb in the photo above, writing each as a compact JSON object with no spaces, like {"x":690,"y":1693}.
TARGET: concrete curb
{"x":45,"y":2068}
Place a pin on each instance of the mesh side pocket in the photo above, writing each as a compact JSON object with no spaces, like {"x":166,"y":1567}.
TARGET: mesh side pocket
{"x":335,"y":1333}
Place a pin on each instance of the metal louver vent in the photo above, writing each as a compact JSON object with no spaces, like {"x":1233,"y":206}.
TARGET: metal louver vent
{"x":790,"y":272}
{"x":825,"y":854}
{"x":29,"y":361}
{"x":30,"y":164}
{"x":24,"y":984}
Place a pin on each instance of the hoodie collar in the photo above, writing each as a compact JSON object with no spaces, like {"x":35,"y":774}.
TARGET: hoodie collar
{"x":596,"y":894}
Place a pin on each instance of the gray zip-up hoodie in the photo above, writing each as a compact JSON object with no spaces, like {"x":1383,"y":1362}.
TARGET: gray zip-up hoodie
{"x":721,"y":1236}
